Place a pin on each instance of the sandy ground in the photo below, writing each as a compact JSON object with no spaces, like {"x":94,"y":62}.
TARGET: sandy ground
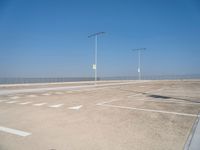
{"x":154,"y":115}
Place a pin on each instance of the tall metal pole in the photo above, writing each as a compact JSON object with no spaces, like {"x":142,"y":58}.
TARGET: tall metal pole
{"x":95,"y":70}
{"x":139,"y":71}
{"x":95,"y":57}
{"x":139,"y":61}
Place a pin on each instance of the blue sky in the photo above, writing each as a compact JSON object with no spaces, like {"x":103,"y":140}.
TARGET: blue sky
{"x":41,"y":38}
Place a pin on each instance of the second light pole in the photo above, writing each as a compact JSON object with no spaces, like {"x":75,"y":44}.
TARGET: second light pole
{"x":95,"y":56}
{"x":139,"y":60}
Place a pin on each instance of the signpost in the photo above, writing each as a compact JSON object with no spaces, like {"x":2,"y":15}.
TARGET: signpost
{"x":94,"y":66}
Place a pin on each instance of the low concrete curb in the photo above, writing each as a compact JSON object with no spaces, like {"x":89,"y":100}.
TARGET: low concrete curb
{"x":193,"y":141}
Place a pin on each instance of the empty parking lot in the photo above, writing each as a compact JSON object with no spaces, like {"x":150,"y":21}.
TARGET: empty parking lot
{"x":112,"y":115}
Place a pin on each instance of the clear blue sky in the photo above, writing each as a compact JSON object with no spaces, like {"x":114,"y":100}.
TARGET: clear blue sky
{"x":49,"y":38}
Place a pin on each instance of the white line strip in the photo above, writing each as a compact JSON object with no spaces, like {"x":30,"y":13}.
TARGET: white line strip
{"x":152,"y":110}
{"x":3,"y":100}
{"x":46,"y":94}
{"x":14,"y":97}
{"x":114,"y":100}
{"x":168,"y":101}
{"x":14,"y":131}
{"x":24,"y":103}
{"x":56,"y":106}
{"x":75,"y":107}
{"x":11,"y":102}
{"x":39,"y":104}
{"x":58,"y":93}
{"x":31,"y":96}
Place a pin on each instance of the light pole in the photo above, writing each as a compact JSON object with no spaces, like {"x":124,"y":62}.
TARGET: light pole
{"x":95,"y":55}
{"x":139,"y":60}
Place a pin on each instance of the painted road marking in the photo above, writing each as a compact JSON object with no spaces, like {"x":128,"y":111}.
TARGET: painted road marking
{"x":31,"y":96}
{"x":168,"y":101}
{"x":151,"y":110}
{"x":11,"y":102}
{"x":3,"y":100}
{"x":56,"y":106}
{"x":75,"y":107}
{"x":113,"y":100}
{"x":46,"y":94}
{"x":14,"y":131}
{"x":24,"y":103}
{"x":14,"y":97}
{"x":39,"y":104}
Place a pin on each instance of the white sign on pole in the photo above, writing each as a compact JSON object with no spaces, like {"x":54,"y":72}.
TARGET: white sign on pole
{"x":138,"y":69}
{"x":94,"y":66}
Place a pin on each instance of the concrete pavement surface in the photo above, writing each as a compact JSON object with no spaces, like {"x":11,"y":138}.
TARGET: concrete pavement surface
{"x":121,"y":115}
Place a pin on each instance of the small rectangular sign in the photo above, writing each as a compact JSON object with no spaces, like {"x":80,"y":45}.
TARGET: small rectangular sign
{"x":94,"y":66}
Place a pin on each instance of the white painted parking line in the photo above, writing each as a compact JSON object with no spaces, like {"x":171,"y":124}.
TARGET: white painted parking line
{"x":151,"y":110}
{"x":11,"y":102}
{"x":46,"y":94}
{"x":24,"y":103}
{"x":75,"y":107}
{"x":113,"y":100}
{"x":32,"y":96}
{"x":167,"y":101}
{"x":39,"y":104}
{"x":3,"y":100}
{"x":14,"y":97}
{"x":56,"y":106}
{"x":14,"y":131}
